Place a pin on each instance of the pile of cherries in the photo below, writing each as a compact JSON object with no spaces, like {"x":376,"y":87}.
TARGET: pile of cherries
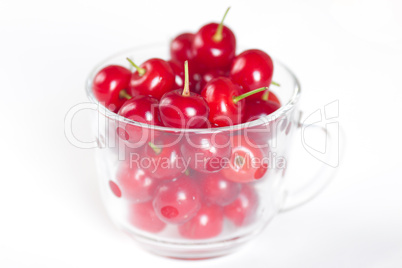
{"x":204,"y":85}
{"x":218,"y":182}
{"x":221,"y":88}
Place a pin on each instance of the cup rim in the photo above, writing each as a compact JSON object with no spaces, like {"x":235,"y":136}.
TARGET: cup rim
{"x":260,"y":121}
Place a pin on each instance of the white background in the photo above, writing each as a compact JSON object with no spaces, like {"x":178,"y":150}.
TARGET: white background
{"x":348,"y":50}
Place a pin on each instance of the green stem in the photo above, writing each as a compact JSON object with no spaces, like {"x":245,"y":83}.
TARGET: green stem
{"x":186,"y":89}
{"x":156,"y":149}
{"x":239,"y":160}
{"x":265,"y":96}
{"x":124,"y":95}
{"x":275,"y":83}
{"x":141,"y":71}
{"x":245,"y":95}
{"x":218,"y":34}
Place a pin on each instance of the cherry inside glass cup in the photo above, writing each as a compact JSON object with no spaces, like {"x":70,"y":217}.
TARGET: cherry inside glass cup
{"x":205,"y":191}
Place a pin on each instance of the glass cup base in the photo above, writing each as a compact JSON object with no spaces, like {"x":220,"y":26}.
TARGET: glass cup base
{"x":193,"y":251}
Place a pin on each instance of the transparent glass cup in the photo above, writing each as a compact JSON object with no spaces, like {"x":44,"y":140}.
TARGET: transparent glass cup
{"x":196,"y":209}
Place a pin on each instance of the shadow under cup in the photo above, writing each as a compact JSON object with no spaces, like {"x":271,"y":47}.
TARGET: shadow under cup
{"x":177,"y":206}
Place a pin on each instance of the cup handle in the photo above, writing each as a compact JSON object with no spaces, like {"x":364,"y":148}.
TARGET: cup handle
{"x":330,"y":158}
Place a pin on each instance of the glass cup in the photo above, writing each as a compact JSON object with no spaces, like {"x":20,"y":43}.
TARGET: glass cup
{"x":195,"y":193}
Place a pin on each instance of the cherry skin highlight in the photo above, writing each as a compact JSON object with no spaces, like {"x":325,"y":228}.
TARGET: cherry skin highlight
{"x":154,"y":77}
{"x":107,"y":85}
{"x":177,"y":201}
{"x":207,"y":223}
{"x":252,"y":69}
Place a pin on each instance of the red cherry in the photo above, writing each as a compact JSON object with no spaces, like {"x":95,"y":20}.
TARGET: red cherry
{"x":207,"y":223}
{"x":216,"y":189}
{"x":180,"y":47}
{"x":242,"y":211}
{"x":177,"y":201}
{"x":115,"y":189}
{"x":271,"y":97}
{"x":143,"y":216}
{"x":136,"y":184}
{"x":206,"y":152}
{"x":261,"y":133}
{"x":143,"y":109}
{"x":256,"y":109}
{"x":179,"y":76}
{"x":154,"y":77}
{"x":247,"y":161}
{"x":208,"y":76}
{"x":214,"y":45}
{"x":107,"y":85}
{"x":225,"y":101}
{"x":219,"y":94}
{"x":178,"y":70}
{"x":163,"y":158}
{"x":252,"y":69}
{"x":182,"y":108}
{"x":183,"y":111}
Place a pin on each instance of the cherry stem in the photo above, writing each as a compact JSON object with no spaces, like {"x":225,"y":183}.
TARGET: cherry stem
{"x":239,"y":160}
{"x":141,"y":71}
{"x":218,"y":34}
{"x":186,"y":89}
{"x":275,"y":83}
{"x":156,"y":149}
{"x":245,"y":95}
{"x":124,"y":95}
{"x":265,"y":96}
